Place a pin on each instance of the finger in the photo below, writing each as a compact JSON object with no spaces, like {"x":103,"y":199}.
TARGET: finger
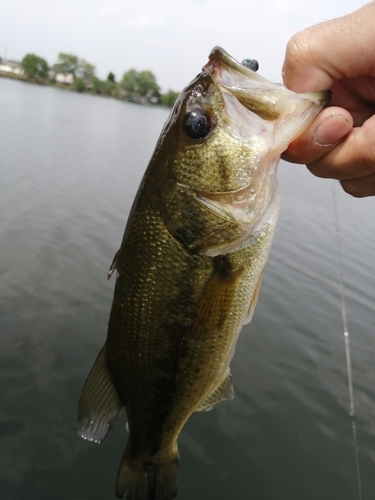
{"x":360,"y":188}
{"x":353,"y":95}
{"x":320,"y":54}
{"x":352,"y":158}
{"x":360,"y":90}
{"x":328,"y":128}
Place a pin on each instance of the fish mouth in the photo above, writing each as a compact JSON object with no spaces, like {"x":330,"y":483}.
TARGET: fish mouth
{"x":270,"y":101}
{"x":218,"y":54}
{"x":238,"y":198}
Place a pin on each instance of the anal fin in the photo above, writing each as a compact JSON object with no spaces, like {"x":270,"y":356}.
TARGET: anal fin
{"x":99,"y":404}
{"x":223,"y":391}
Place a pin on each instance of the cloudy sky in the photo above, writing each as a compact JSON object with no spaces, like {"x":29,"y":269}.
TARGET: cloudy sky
{"x":172,"y":38}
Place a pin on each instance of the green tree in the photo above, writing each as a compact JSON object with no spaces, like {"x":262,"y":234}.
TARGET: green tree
{"x":129,"y":81}
{"x":85,"y":70}
{"x":105,"y":87}
{"x":34,"y":66}
{"x":169,"y":98}
{"x":140,"y":83}
{"x":97,"y":86}
{"x":148,"y":86}
{"x":79,"y":84}
{"x":66,"y":63}
{"x":111,"y":77}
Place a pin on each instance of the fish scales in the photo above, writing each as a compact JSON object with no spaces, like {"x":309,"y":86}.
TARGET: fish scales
{"x":190,"y":266}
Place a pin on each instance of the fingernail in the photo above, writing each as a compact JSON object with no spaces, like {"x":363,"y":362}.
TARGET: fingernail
{"x":332,"y":129}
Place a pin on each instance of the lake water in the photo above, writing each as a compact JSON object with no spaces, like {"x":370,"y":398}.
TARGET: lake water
{"x":70,"y":165}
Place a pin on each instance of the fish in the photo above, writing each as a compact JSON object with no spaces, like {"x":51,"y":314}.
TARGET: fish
{"x":190,"y":266}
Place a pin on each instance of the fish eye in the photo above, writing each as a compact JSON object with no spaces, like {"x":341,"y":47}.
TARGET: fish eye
{"x":197,"y":123}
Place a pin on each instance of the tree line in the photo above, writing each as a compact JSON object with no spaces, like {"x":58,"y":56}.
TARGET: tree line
{"x":136,"y":86}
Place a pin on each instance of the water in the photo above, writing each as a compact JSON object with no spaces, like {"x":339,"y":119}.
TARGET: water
{"x":69,"y":168}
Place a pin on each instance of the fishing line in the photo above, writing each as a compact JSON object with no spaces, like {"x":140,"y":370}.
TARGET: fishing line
{"x":347,"y":344}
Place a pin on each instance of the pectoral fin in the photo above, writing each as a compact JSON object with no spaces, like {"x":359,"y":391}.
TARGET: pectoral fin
{"x":253,"y":301}
{"x":99,"y":404}
{"x":216,"y":300}
{"x":223,"y":391}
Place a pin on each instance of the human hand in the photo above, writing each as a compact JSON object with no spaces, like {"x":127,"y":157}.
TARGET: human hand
{"x":337,"y":55}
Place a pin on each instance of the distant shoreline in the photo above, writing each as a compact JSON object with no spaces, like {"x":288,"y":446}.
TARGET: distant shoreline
{"x":52,"y":83}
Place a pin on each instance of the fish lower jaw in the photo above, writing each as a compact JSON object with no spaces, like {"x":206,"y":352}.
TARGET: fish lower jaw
{"x":267,"y":219}
{"x":226,"y":249}
{"x":245,"y":216}
{"x":244,"y":204}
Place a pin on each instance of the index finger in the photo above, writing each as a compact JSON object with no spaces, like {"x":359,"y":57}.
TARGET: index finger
{"x":330,"y":51}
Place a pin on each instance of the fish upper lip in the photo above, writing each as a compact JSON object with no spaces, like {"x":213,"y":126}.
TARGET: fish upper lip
{"x":218,"y":54}
{"x":219,"y":60}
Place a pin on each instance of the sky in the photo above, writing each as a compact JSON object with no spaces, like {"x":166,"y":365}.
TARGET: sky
{"x":171,"y":38}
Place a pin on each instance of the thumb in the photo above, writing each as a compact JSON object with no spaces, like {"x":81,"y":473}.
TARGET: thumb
{"x":329,"y":127}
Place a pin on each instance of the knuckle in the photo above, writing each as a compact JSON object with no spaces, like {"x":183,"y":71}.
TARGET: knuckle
{"x":292,"y":53}
{"x":353,"y":188}
{"x":296,"y":50}
{"x":367,"y":146}
{"x":320,"y":168}
{"x":360,"y":188}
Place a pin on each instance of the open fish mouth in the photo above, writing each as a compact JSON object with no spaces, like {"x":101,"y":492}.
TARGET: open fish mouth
{"x":270,"y":101}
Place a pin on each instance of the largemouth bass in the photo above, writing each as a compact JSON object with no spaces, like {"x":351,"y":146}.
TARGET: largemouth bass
{"x":190,"y":266}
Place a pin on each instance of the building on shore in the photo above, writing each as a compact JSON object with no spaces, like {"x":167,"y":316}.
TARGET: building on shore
{"x":11,"y":67}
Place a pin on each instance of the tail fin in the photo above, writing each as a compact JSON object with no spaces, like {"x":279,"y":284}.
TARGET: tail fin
{"x":148,"y":479}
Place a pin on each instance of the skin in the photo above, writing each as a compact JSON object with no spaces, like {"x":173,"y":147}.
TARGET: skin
{"x":337,"y":55}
